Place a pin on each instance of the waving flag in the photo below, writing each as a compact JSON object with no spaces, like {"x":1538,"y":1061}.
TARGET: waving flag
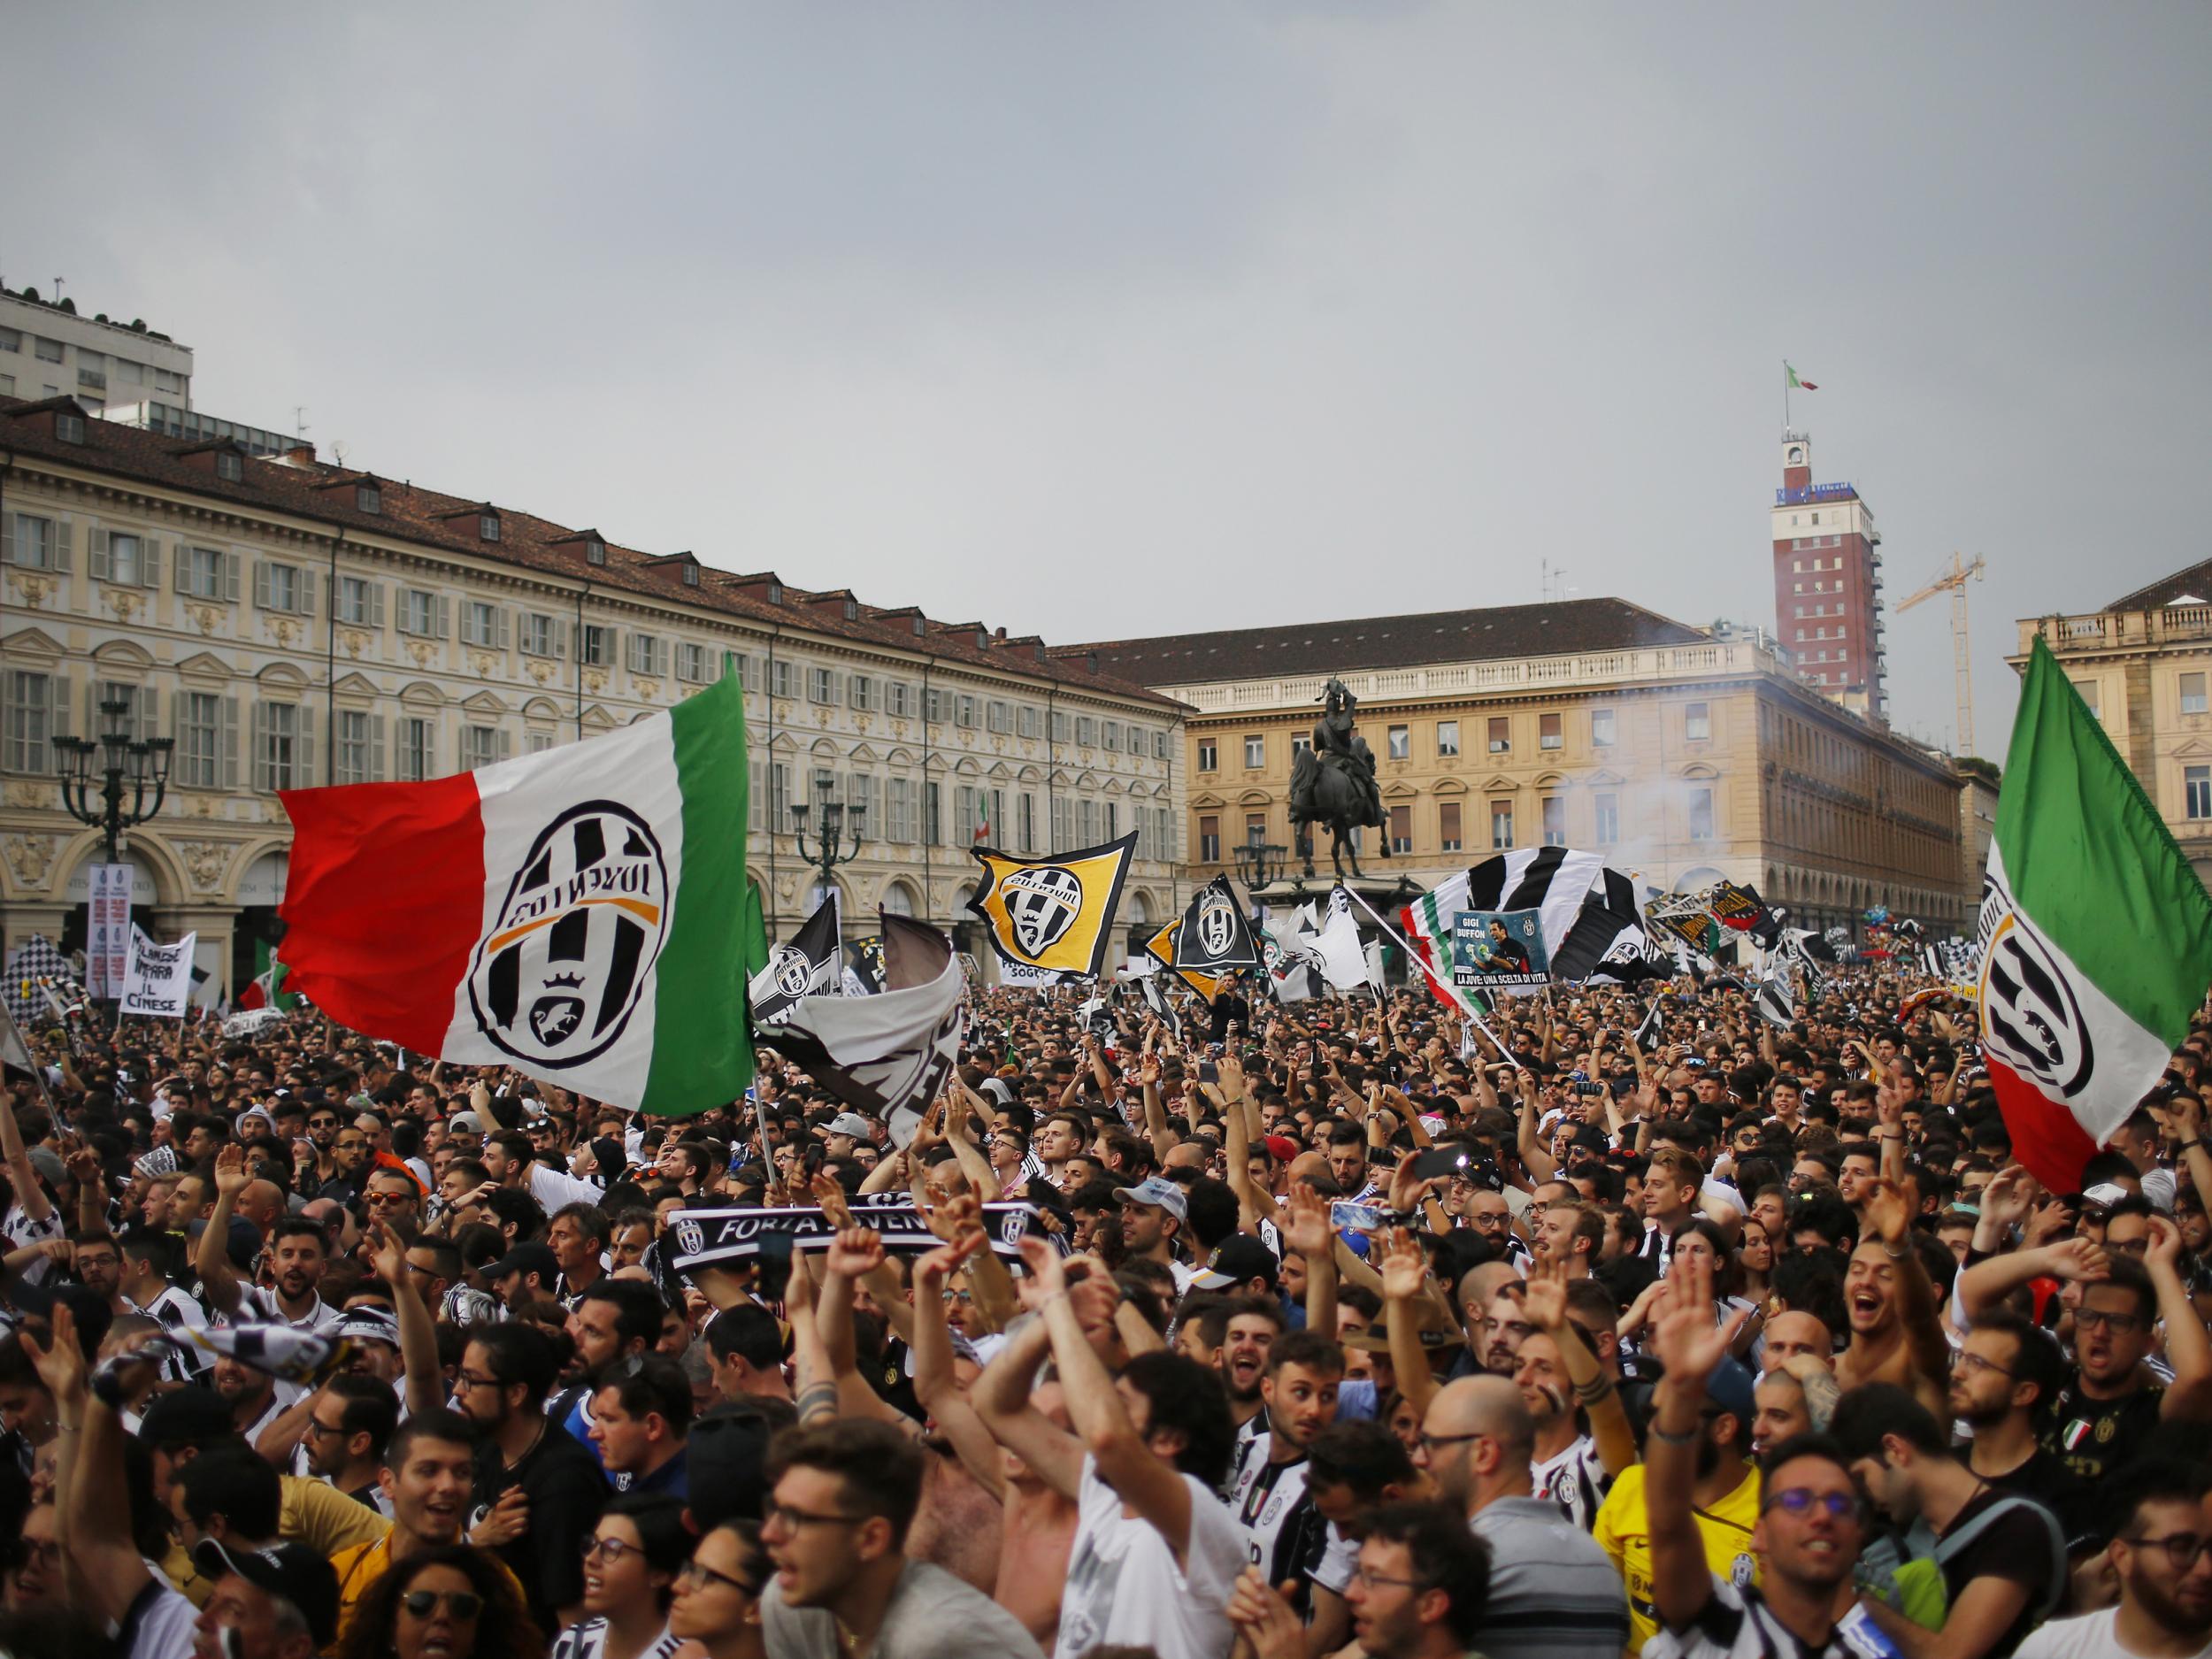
{"x":808,"y":966}
{"x":577,"y":914}
{"x":1052,"y":912}
{"x":2096,"y":936}
{"x":1215,"y":938}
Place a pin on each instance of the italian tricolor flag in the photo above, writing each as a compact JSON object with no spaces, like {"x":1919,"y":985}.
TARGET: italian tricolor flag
{"x":266,"y":989}
{"x":1795,"y":384}
{"x":1427,"y":922}
{"x":2096,"y":936}
{"x":579,"y":915}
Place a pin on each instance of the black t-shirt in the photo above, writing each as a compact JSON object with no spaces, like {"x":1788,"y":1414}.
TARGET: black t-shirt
{"x":566,"y":1491}
{"x":2015,"y":1546}
{"x":2047,"y":1479}
{"x":2094,"y":1436}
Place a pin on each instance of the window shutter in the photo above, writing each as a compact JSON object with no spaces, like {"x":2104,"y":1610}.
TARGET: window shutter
{"x":61,"y":546}
{"x":376,"y":748}
{"x":148,"y":711}
{"x":660,"y":659}
{"x":560,"y":639}
{"x":180,"y":568}
{"x":7,"y":537}
{"x":227,"y":744}
{"x":303,"y":752}
{"x":149,"y":561}
{"x":445,"y":628}
{"x":62,"y":726}
{"x":376,"y":605}
{"x":307,"y":592}
{"x":260,"y":748}
{"x":502,"y":633}
{"x":97,"y":554}
{"x":506,"y":744}
{"x":231,"y":564}
{"x":260,"y":586}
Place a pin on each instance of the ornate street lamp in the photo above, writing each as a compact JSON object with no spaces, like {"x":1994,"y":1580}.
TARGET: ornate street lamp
{"x":1260,"y":862}
{"x":128,"y":765}
{"x":825,"y":858}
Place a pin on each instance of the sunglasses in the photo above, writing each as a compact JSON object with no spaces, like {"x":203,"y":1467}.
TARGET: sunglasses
{"x":460,"y":1605}
{"x":1801,"y":1500}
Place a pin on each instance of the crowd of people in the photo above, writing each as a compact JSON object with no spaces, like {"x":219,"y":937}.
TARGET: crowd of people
{"x":1326,"y":1327}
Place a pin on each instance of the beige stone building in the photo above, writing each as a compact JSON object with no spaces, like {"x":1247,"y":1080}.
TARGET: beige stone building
{"x":288,"y":623}
{"x":2143,"y":665}
{"x":1687,"y":754}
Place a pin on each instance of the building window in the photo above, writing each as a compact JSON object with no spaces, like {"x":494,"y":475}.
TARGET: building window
{"x":691,"y":579}
{"x":69,"y":428}
{"x":691,"y":661}
{"x":1401,"y":829}
{"x":418,"y":750}
{"x":1608,"y":819}
{"x":202,"y":572}
{"x":359,"y":602}
{"x":1701,"y":816}
{"x":1028,"y":807}
{"x":1501,"y":736}
{"x":2193,"y":693}
{"x":230,"y":466}
{"x":199,"y":729}
{"x":488,"y":526}
{"x":1697,"y":721}
{"x":2196,"y":792}
{"x":48,"y":350}
{"x":284,"y":587}
{"x":1110,"y":736}
{"x":1548,"y":734}
{"x":537,"y":742}
{"x":1255,"y":752}
{"x":898,"y":809}
{"x":418,"y":613}
{"x":932,"y":813}
{"x":1555,"y":821}
{"x":11,"y":339}
{"x":900,"y":700}
{"x":783,"y":678}
{"x":1159,"y":746}
{"x":1446,"y":739}
{"x":277,"y":759}
{"x":368,"y":498}
{"x":541,"y":635}
{"x":964,"y":713}
{"x":1209,"y":840}
{"x":649,"y":655}
{"x":30,"y":728}
{"x":479,"y":623}
{"x":1448,"y":831}
{"x":2088,"y":690}
{"x":33,"y":542}
{"x":596,"y":648}
{"x":1400,"y":742}
{"x":1025,"y":722}
{"x":480,"y":746}
{"x":860,"y":691}
{"x":1208,"y":756}
{"x":127,"y":566}
{"x":353,"y":748}
{"x":1501,"y":825}
{"x":1059,"y":727}
{"x":595,"y":550}
{"x":1600,"y":728}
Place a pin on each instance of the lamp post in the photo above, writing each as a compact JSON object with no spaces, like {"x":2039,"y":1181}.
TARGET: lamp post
{"x":825,"y":858}
{"x":129,"y":765}
{"x":1260,"y":862}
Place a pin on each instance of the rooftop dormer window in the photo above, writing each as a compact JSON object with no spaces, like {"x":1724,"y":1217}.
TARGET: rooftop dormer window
{"x":69,"y":428}
{"x":921,"y":627}
{"x":775,"y":593}
{"x":230,"y":466}
{"x":594,"y":551}
{"x":691,"y":575}
{"x":488,"y":526}
{"x":368,"y":497}
{"x":982,"y":639}
{"x":852,"y":611}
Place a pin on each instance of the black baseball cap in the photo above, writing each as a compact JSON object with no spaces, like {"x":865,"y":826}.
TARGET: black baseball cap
{"x":527,"y":1257}
{"x":293,"y":1572}
{"x":189,"y":1415}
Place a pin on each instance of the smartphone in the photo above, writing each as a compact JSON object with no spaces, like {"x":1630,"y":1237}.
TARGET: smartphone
{"x":1348,"y":1218}
{"x":1446,"y":1160}
{"x":1209,"y":1072}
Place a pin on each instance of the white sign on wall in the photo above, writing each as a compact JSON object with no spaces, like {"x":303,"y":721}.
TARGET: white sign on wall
{"x":107,"y":930}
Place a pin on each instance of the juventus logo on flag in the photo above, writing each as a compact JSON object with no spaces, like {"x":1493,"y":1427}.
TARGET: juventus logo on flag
{"x":1215,"y":938}
{"x":1053,"y":912}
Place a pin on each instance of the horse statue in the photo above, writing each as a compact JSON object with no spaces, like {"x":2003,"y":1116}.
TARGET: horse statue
{"x":1334,"y":783}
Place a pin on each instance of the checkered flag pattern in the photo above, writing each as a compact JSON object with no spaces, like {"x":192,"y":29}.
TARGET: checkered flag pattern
{"x":34,"y":959}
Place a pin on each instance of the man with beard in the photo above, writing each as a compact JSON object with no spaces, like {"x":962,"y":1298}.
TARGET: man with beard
{"x":614,"y":1324}
{"x":147,"y":1260}
{"x":1154,"y":1214}
{"x":1552,"y":1592}
{"x":1896,"y":1332}
{"x":296,"y":1252}
{"x":1420,"y":1590}
{"x":1268,"y":1490}
{"x":1250,"y":1325}
{"x":352,"y":1423}
{"x":2161,"y":1558}
{"x":2003,"y":1372}
{"x":2002,"y":1556}
{"x":1809,"y":1527}
{"x":256,"y":1399}
{"x":2109,"y":1404}
{"x":537,"y":1492}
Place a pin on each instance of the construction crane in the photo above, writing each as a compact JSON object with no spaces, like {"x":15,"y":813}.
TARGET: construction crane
{"x":1956,"y":579}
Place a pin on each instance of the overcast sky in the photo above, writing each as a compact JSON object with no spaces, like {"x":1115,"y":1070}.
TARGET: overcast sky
{"x":1105,"y":321}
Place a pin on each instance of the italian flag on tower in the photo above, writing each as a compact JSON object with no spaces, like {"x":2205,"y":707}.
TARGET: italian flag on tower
{"x":2095,"y":935}
{"x":580,"y":915}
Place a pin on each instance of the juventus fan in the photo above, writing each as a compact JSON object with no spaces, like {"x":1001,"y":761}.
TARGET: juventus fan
{"x":1268,"y":1492}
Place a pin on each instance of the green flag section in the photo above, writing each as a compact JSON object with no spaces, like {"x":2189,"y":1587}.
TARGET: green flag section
{"x":580,"y":915}
{"x":2095,"y":935}
{"x":267,"y":988}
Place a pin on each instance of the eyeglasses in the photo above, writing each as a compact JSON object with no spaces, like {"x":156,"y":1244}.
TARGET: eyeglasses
{"x":2182,"y":1548}
{"x":696,"y":1575}
{"x":461,"y":1605}
{"x":613,"y":1548}
{"x":352,"y":1146}
{"x":1430,"y":1442}
{"x":1367,"y":1580}
{"x":774,"y":1514}
{"x":1963,"y":1361}
{"x":1799,"y":1500}
{"x":2120,"y":1323}
{"x":318,"y":1427}
{"x":476,"y":1379}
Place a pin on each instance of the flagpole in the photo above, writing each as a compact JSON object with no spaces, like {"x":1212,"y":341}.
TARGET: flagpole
{"x":1466,"y":1006}
{"x":1786,"y":395}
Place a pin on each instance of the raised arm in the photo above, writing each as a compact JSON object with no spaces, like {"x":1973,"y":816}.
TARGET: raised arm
{"x":856,"y":1252}
{"x":2188,"y":1350}
{"x":212,"y":1259}
{"x":1545,"y":1303}
{"x":934,"y":1385}
{"x":110,"y":1570}
{"x":1306,"y":1230}
{"x":1890,"y":1212}
{"x":1001,"y":1400}
{"x":1986,"y":1284}
{"x":417,"y":1333}
{"x":1535,"y":1157}
{"x":1405,"y":1273}
{"x":1685,"y":1339}
{"x":30,"y":1197}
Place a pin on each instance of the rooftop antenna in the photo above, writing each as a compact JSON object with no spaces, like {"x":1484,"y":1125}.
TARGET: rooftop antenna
{"x":299,"y":420}
{"x":57,"y":290}
{"x":338,"y":448}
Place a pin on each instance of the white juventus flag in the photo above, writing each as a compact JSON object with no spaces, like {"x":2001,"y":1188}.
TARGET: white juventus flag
{"x":1776,"y":1003}
{"x":1647,"y":1028}
{"x":809,"y":965}
{"x":1155,"y":998}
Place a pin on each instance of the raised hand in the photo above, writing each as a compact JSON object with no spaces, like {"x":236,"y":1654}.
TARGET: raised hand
{"x":1045,"y":1277}
{"x":1684,"y":1335}
{"x":1890,"y":1213}
{"x":60,"y":1362}
{"x":932,"y":1270}
{"x":2163,"y":1254}
{"x":1305,"y":1229}
{"x":1405,"y":1265}
{"x":856,"y":1252}
{"x":232,"y":1177}
{"x":388,"y":1254}
{"x":2009,"y":1196}
{"x":2079,"y":1261}
{"x":830,"y":1197}
{"x":1544,"y":1295}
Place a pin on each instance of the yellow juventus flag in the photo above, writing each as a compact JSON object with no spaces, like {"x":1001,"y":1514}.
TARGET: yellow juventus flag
{"x":1161,"y":949}
{"x":1052,"y":912}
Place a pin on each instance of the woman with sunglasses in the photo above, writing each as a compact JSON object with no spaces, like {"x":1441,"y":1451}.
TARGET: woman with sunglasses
{"x":631,"y":1559}
{"x":718,"y":1593}
{"x":448,"y":1602}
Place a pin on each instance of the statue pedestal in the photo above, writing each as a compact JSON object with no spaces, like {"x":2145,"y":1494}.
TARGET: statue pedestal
{"x":1386,"y":893}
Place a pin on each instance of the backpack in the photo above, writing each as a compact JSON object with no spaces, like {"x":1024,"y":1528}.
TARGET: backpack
{"x":1907,"y":1574}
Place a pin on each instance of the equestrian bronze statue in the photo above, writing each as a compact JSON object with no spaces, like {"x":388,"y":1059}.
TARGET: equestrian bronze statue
{"x":1334,"y":783}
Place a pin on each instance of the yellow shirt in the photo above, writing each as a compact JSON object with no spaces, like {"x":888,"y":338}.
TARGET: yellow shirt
{"x":315,"y":1513}
{"x":359,"y":1567}
{"x":1623,"y":1531}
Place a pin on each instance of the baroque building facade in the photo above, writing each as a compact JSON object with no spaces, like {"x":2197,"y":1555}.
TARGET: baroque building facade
{"x":1686,"y":754}
{"x":289,"y":623}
